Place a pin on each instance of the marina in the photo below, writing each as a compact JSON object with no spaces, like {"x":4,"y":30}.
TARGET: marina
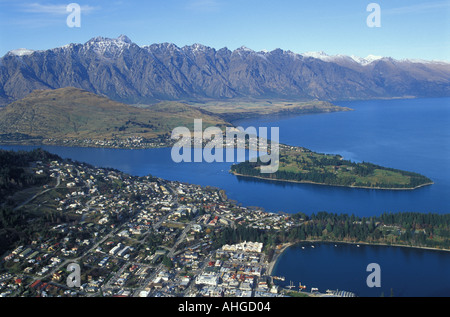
{"x":325,"y":269}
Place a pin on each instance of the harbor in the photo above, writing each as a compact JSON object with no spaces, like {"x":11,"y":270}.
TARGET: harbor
{"x":297,"y":288}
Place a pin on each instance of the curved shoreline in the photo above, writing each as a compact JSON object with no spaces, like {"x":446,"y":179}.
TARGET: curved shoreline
{"x":336,"y":185}
{"x":285,"y":246}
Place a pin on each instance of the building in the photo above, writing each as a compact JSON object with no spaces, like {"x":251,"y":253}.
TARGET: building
{"x":245,"y":247}
{"x":210,"y":280}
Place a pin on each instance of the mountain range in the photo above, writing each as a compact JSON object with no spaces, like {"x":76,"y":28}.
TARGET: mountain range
{"x":129,"y":73}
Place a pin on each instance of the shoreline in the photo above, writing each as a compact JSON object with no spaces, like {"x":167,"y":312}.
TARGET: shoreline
{"x":273,"y":263}
{"x":334,"y":185}
{"x":84,"y":146}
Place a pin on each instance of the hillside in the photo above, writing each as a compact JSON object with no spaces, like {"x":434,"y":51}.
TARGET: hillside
{"x":74,"y":114}
{"x":126,"y":72}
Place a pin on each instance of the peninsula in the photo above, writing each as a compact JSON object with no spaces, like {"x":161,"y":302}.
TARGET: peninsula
{"x":300,"y":165}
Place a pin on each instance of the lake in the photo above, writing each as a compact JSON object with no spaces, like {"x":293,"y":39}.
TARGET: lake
{"x":410,"y":134}
{"x":405,"y":272}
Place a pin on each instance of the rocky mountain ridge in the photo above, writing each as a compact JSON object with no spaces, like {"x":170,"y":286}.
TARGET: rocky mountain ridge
{"x":125,"y":72}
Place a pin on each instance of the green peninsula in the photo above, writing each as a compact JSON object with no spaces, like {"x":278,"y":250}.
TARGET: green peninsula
{"x":297,"y":164}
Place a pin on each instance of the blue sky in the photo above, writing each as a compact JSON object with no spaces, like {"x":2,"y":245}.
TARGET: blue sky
{"x":409,"y":28}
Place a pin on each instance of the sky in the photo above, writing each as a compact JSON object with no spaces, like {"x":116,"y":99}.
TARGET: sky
{"x":415,"y":29}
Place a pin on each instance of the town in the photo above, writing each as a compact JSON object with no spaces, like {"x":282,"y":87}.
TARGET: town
{"x":140,"y":237}
{"x":145,"y":236}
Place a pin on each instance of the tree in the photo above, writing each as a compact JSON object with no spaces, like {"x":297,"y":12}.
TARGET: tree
{"x":167,"y":262}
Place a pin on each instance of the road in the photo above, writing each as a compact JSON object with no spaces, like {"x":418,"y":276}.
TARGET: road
{"x":58,"y":182}
{"x":75,"y":260}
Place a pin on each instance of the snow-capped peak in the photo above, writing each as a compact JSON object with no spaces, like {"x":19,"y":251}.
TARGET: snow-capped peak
{"x":325,"y":57}
{"x":318,"y":55}
{"x":366,"y":61}
{"x":161,"y":46}
{"x":196,"y":47}
{"x":423,"y":61}
{"x":21,"y":52}
{"x":108,"y":47}
{"x":334,"y":58}
{"x":245,"y":49}
{"x":121,"y":40}
{"x":124,"y":38}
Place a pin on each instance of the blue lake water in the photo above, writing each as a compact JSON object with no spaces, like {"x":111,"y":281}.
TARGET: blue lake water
{"x":404,"y":272}
{"x":411,"y":135}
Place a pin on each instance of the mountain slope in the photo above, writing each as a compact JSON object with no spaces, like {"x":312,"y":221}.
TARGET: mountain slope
{"x":126,"y":72}
{"x":75,"y":114}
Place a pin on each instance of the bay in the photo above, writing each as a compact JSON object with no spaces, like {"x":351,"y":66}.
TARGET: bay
{"x":404,"y":272}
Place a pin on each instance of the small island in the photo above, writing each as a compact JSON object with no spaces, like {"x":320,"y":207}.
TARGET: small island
{"x":300,"y":165}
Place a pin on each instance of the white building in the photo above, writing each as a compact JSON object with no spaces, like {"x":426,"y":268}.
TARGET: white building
{"x":210,"y":280}
{"x":244,"y":246}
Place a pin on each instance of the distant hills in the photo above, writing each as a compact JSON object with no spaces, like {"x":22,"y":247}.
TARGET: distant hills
{"x":125,"y":72}
{"x":75,"y":114}
{"x":75,"y":117}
